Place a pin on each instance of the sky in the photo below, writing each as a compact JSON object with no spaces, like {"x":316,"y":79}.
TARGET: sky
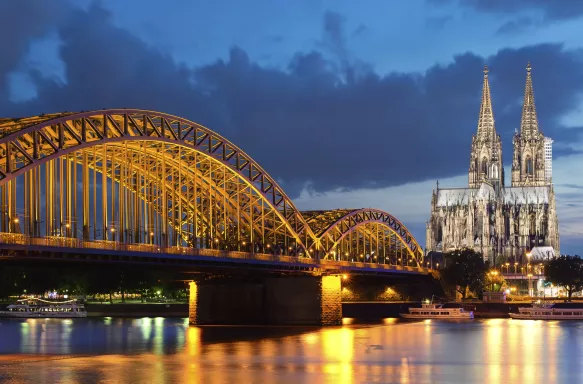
{"x":346,"y":104}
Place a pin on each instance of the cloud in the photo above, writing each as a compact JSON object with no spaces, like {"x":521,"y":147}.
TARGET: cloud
{"x":20,"y":22}
{"x":551,"y":10}
{"x":329,"y":121}
{"x":525,"y":14}
{"x":516,"y":26}
{"x":438,"y":22}
{"x":359,"y":31}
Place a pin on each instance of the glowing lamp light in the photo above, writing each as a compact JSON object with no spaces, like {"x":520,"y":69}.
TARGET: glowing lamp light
{"x":16,"y":220}
{"x":344,"y":277}
{"x":112,"y":229}
{"x":67,"y":225}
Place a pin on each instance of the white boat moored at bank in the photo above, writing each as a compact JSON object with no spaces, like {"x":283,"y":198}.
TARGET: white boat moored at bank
{"x":40,"y":308}
{"x":547,"y":311}
{"x":437,"y":311}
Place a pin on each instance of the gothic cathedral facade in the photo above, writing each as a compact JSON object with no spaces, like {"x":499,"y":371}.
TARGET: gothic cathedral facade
{"x":503,"y":223}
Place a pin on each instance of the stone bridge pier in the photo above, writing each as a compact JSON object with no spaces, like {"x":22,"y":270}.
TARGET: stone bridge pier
{"x":278,"y":300}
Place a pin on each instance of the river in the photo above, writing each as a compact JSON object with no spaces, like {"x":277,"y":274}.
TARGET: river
{"x":159,"y":350}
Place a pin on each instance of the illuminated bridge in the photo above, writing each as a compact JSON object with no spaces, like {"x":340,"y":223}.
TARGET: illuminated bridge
{"x":143,"y":186}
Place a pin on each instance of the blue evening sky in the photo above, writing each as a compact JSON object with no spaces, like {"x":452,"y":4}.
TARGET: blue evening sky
{"x":383,"y":94}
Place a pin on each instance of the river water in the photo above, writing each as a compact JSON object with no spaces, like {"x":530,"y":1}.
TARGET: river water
{"x":158,"y":350}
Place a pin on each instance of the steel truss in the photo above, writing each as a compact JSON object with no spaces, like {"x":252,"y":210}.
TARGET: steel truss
{"x":364,"y":235}
{"x":144,"y":177}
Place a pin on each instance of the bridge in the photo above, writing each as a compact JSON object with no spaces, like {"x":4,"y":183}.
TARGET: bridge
{"x":142,"y":186}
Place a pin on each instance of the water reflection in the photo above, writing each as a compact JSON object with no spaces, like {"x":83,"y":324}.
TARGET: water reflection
{"x":158,"y":350}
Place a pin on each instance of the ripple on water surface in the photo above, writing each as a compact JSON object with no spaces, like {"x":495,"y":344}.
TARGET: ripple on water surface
{"x":158,"y":350}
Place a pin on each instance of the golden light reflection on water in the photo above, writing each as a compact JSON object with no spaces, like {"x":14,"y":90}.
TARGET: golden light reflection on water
{"x":169,"y":351}
{"x":494,"y":341}
{"x":338,"y":353}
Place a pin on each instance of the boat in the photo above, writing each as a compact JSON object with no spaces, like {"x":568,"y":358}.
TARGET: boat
{"x":547,"y":311}
{"x":437,"y":311}
{"x":40,"y":308}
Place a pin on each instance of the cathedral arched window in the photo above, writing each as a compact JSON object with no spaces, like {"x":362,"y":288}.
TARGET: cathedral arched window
{"x":479,"y":225}
{"x":543,"y":227}
{"x":529,"y":167}
{"x":484,"y":165}
{"x":439,"y":233}
{"x":494,"y":172}
{"x":532,"y":225}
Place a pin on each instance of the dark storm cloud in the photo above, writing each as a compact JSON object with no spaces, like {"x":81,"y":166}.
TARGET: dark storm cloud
{"x":20,"y":22}
{"x":336,"y":125}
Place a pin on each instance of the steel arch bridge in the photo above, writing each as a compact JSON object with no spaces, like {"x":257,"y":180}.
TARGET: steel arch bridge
{"x":145,"y":181}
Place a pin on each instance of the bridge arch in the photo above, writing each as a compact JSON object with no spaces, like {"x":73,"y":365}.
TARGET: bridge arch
{"x":145,"y":177}
{"x":364,"y":235}
{"x":122,"y":144}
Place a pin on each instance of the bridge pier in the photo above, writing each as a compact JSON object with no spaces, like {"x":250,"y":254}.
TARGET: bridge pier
{"x":285,"y":300}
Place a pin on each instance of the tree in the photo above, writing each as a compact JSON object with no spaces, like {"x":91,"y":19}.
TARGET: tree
{"x":494,"y":281}
{"x":465,"y":268}
{"x":566,"y":271}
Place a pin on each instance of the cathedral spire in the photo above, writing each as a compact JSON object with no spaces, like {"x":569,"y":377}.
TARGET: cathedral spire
{"x":486,"y":119}
{"x":529,"y":121}
{"x":486,"y":154}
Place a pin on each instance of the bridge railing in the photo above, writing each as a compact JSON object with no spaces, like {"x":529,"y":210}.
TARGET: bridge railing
{"x":72,"y":243}
{"x":66,"y":242}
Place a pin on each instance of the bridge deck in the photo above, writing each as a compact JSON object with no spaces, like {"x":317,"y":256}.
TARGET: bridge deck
{"x":186,"y":255}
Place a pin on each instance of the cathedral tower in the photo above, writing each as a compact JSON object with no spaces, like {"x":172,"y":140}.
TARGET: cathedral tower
{"x":528,"y":162}
{"x":486,"y":153}
{"x":503,"y":223}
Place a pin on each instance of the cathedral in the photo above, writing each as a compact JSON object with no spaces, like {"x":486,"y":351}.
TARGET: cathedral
{"x":503,"y":223}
